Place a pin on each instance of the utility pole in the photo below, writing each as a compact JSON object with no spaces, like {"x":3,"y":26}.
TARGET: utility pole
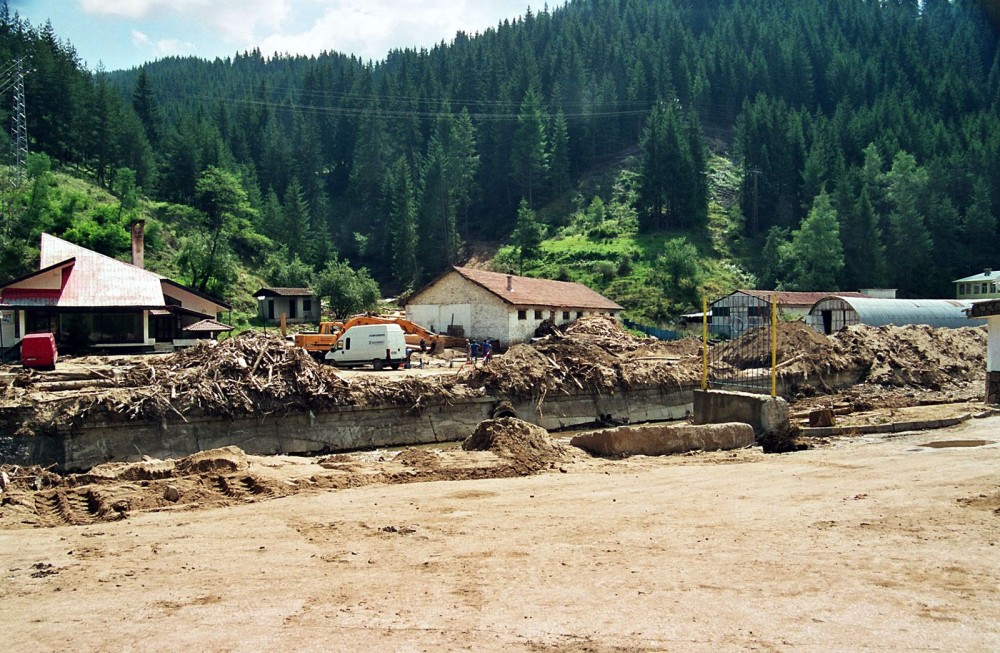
{"x":12,"y":77}
{"x":19,"y":126}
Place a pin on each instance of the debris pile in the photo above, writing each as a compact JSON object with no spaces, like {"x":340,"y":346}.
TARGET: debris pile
{"x":528,"y":447}
{"x":251,"y":373}
{"x":594,"y":354}
{"x":913,"y":356}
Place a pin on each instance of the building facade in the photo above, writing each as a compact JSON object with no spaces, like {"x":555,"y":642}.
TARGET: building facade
{"x":298,"y":305}
{"x":89,"y":300}
{"x":489,"y":305}
{"x":978,"y":286}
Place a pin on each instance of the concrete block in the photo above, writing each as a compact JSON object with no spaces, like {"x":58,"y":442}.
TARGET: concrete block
{"x":764,"y":413}
{"x":662,"y":439}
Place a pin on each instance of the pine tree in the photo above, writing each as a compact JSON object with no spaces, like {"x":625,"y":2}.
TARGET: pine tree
{"x":530,"y":157}
{"x":527,"y":235}
{"x":815,"y":253}
{"x":403,"y":218}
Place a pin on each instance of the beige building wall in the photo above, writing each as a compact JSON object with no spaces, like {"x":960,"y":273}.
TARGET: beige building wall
{"x":454,"y":300}
{"x":191,"y":301}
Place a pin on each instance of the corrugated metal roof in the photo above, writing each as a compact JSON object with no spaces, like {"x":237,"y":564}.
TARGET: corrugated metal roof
{"x":527,"y":291}
{"x":100,"y":281}
{"x":990,"y":275}
{"x":89,"y":280}
{"x":950,"y":313}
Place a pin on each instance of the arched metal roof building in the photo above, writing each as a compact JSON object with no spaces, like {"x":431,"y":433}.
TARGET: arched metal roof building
{"x":833,"y":313}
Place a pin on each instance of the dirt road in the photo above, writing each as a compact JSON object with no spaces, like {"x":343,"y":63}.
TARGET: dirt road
{"x":884,"y":545}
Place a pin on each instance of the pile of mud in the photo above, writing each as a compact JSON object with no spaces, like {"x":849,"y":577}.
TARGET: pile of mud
{"x":914,"y":356}
{"x":528,"y":447}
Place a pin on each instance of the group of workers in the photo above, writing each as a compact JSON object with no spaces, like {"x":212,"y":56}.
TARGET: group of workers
{"x":474,"y":348}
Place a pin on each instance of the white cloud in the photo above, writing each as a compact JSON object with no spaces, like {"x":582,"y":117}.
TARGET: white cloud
{"x":367,"y":28}
{"x":162,"y":47}
{"x":370,"y":28}
{"x":233,"y":21}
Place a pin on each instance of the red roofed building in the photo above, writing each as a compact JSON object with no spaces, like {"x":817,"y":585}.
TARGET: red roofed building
{"x":479,"y":304}
{"x":88,"y":299}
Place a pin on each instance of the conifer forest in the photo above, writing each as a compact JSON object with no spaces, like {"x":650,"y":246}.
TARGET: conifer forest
{"x":864,"y":138}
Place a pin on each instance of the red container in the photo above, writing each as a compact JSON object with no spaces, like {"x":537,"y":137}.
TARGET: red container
{"x":39,"y":350}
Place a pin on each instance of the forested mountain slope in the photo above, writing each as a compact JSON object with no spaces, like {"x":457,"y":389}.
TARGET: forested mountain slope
{"x":866,"y":135}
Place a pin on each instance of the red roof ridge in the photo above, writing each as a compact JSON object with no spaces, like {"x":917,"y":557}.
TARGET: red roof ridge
{"x":528,"y":291}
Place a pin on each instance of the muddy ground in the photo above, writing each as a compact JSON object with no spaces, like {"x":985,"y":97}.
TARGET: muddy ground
{"x":876,"y":543}
{"x":519,"y":541}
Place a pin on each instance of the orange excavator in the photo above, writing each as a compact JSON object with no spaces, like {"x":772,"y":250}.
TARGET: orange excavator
{"x":329,"y":333}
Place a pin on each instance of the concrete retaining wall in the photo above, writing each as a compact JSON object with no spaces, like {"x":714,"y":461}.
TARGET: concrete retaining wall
{"x":97,"y":442}
{"x":764,"y":413}
{"x":662,"y":439}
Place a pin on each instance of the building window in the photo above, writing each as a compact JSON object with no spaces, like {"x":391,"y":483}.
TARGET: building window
{"x":307,"y":306}
{"x":522,"y":314}
{"x":993,"y":288}
{"x":985,"y":291}
{"x":756,"y":311}
{"x":552,"y":315}
{"x":565,"y":315}
{"x":270,"y":309}
{"x":720,"y":311}
{"x":579,"y":314}
{"x":538,"y":314}
{"x":961,"y":289}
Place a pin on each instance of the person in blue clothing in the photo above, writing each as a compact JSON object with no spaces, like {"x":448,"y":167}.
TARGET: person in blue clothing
{"x":474,"y":351}
{"x":487,"y":351}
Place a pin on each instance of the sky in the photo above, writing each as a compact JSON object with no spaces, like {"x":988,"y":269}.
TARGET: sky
{"x":122,"y":34}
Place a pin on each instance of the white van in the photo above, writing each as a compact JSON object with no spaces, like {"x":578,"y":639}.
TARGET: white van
{"x":378,"y":345}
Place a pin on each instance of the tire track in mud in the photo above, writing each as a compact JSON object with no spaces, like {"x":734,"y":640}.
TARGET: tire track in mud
{"x":75,"y":507}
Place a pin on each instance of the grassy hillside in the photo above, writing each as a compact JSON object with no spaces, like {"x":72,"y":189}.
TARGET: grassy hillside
{"x":654,"y":276}
{"x":66,"y":204}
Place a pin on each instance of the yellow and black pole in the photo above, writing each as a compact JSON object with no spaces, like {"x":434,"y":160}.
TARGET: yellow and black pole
{"x":704,"y":343}
{"x":774,"y":345}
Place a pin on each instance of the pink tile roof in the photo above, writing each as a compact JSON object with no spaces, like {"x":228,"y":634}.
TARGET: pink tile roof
{"x":208,"y":326}
{"x":97,"y":280}
{"x":527,"y":291}
{"x":786,"y":298}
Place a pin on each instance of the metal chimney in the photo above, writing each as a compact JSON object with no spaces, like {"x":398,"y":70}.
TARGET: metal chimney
{"x":138,"y":244}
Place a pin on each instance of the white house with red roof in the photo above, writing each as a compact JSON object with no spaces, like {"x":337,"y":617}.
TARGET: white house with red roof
{"x":490,"y":305}
{"x":87,"y":299}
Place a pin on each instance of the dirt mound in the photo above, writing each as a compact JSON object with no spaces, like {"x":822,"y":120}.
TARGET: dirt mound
{"x":527,"y":446}
{"x":421,"y":458}
{"x":226,"y":460}
{"x":915,"y":355}
{"x":753,"y":348}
